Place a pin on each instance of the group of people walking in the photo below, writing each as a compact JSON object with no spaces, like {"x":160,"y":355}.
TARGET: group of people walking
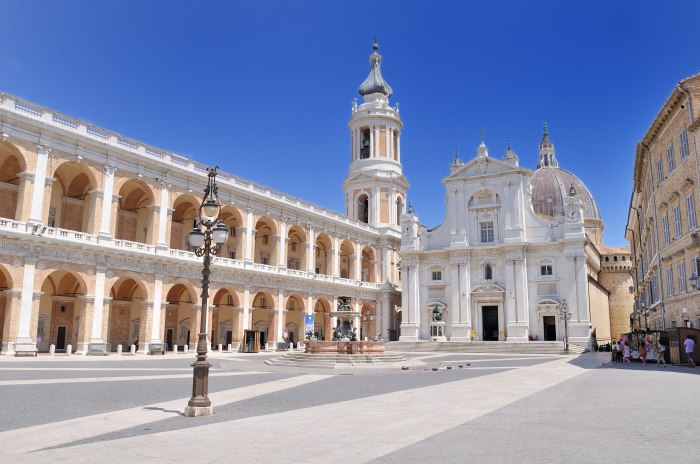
{"x":622,"y":351}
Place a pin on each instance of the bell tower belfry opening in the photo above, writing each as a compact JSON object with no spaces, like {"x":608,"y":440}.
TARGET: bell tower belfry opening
{"x":375,"y":188}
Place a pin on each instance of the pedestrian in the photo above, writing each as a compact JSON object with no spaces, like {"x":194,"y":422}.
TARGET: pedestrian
{"x":613,"y":352}
{"x":660,"y":354}
{"x":689,"y":345}
{"x":619,"y":351}
{"x":627,"y":353}
{"x":643,"y":353}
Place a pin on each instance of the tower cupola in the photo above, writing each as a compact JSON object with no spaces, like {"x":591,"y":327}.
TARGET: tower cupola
{"x":547,"y":157}
{"x":375,"y":83}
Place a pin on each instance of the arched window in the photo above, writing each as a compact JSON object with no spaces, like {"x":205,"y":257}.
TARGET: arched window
{"x":488,"y":272}
{"x":363,"y":209}
{"x":364,"y":144}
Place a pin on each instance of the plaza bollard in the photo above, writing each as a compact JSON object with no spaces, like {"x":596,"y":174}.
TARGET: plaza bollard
{"x":119,"y":349}
{"x":69,"y":350}
{"x":52,"y":350}
{"x":229,"y":347}
{"x":186,"y":348}
{"x":132,"y":349}
{"x":221,"y":347}
{"x":175,"y":349}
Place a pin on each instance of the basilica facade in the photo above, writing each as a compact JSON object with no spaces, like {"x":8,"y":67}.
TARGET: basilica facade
{"x":94,"y":225}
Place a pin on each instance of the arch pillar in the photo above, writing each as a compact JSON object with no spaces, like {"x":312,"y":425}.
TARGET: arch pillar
{"x":158,"y":322}
{"x":249,"y":235}
{"x":13,"y":302}
{"x":98,"y":307}
{"x":280,"y":315}
{"x":37,"y":210}
{"x":282,"y":244}
{"x":163,"y":213}
{"x":336,"y":258}
{"x":24,"y":196}
{"x":107,"y":191}
{"x":246,"y":309}
{"x":84,"y":306}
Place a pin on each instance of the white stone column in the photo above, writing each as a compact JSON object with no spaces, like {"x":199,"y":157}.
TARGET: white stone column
{"x":371,"y":142}
{"x":282,"y":252}
{"x":98,"y":306}
{"x":356,"y":153}
{"x":511,"y":292}
{"x":385,"y":322}
{"x":280,"y":315}
{"x":466,"y":303}
{"x":522,"y":313}
{"x":390,"y":142}
{"x":375,"y":217}
{"x":398,"y":147}
{"x":26,"y":305}
{"x":107,"y":193}
{"x":376,"y":142}
{"x":249,"y":231}
{"x":246,"y":307}
{"x":163,"y":214}
{"x":157,"y":309}
{"x":386,"y":264}
{"x":358,"y":261}
{"x":410,"y":325}
{"x":336,"y":257}
{"x":310,"y":256}
{"x":37,"y":202}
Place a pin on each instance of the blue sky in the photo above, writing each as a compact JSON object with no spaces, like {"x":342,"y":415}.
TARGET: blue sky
{"x":264,"y":89}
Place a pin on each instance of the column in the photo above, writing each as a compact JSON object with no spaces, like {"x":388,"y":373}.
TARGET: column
{"x":157,"y":309}
{"x":246,"y":307}
{"x":398,"y":147}
{"x":12,"y":311}
{"x":511,"y":292}
{"x":249,"y":231}
{"x":280,"y":315}
{"x":371,"y":142}
{"x":26,"y":305}
{"x":107,"y":192}
{"x":310,"y":258}
{"x":358,"y":261}
{"x":356,"y":154}
{"x":410,"y":298}
{"x":390,"y":142}
{"x":282,"y":251}
{"x":522,"y":306}
{"x":309,"y":310}
{"x":375,"y":217}
{"x":42,"y":157}
{"x":356,"y":320}
{"x":376,"y":142}
{"x":163,"y":214}
{"x":386,"y":263}
{"x":336,"y":257}
{"x":98,"y":306}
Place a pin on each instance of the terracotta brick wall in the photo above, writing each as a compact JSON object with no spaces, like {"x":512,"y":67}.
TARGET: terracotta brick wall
{"x":72,"y":216}
{"x":8,"y":203}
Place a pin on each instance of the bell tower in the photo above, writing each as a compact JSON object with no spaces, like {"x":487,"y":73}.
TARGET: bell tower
{"x":375,"y":188}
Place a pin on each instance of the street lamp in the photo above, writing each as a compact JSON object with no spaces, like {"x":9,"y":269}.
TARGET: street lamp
{"x":694,"y":280}
{"x":642,"y":306}
{"x":565,"y":315}
{"x":210,"y":228}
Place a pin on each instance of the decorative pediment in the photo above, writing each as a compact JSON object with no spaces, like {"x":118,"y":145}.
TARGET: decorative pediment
{"x":488,"y":286}
{"x":481,"y":166}
{"x":547,"y":305}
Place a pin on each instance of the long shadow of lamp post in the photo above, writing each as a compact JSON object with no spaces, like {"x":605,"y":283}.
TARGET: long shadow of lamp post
{"x":210,"y":229}
{"x":565,"y":316}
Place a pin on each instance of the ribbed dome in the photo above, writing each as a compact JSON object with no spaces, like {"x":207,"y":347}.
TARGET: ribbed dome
{"x":550,"y":185}
{"x":375,"y":83}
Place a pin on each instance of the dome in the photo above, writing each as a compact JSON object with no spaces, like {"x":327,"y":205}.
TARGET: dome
{"x":549,"y":186}
{"x":375,"y":83}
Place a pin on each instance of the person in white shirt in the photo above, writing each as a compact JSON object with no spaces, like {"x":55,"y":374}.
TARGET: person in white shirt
{"x":689,"y":345}
{"x":660,"y":354}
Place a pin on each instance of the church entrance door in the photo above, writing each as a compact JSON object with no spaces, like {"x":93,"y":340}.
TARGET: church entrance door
{"x":550,"y":328}
{"x":490,"y":323}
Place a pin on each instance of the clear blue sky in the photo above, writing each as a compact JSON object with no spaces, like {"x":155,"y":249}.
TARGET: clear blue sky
{"x":264,"y":88}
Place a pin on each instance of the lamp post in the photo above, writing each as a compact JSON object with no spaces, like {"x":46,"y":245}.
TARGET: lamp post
{"x":200,"y":238}
{"x":643,"y":308}
{"x":565,"y":315}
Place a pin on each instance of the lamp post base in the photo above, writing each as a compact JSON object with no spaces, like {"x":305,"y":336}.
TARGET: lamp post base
{"x":198,"y":411}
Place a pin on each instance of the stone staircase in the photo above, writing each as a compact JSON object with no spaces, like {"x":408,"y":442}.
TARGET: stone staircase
{"x":533,"y":347}
{"x":332,"y":361}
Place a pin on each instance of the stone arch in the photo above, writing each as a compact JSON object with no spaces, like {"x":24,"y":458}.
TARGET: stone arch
{"x":368,"y":320}
{"x":347,"y":259}
{"x":294,"y":318}
{"x":234,"y":248}
{"x":185,"y":215}
{"x":265,"y":241}
{"x":126,"y":316}
{"x":135,"y":214}
{"x":369,"y":264}
{"x":362,"y":206}
{"x":5,"y":322}
{"x":323,"y":328}
{"x":323,"y":254}
{"x":263,"y":316}
{"x":72,"y":204}
{"x":12,"y":164}
{"x":296,"y":242}
{"x":182,"y":313}
{"x":61,"y":319}
{"x":225,"y":318}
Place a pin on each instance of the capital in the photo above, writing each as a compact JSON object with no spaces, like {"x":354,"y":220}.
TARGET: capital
{"x":109,"y":169}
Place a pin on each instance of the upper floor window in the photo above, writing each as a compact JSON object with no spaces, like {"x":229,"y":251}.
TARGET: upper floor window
{"x":669,"y":281}
{"x":546,"y":270}
{"x":486,"y":231}
{"x":365,"y":144}
{"x":436,"y":275}
{"x":667,"y":233}
{"x":660,"y":171}
{"x":681,"y":277}
{"x":684,"y":144}
{"x":488,"y":272}
{"x":690,"y":205}
{"x":671,"y":158}
{"x":677,"y":220}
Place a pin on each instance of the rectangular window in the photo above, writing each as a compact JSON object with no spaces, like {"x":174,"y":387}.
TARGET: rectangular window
{"x":696,"y":265}
{"x":264,"y":259}
{"x":486,"y":229}
{"x":677,"y":220}
{"x":232,"y":255}
{"x":232,"y":231}
{"x":667,"y":233}
{"x":653,"y":291}
{"x":437,"y":275}
{"x":681,"y":277}
{"x":265,"y":240}
{"x":294,"y":246}
{"x":669,"y":281}
{"x":684,"y":144}
{"x":670,"y":157}
{"x":660,"y":171}
{"x":229,"y":300}
{"x":546,"y":270}
{"x":690,"y":205}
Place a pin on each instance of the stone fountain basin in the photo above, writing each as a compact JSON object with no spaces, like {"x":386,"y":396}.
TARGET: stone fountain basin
{"x":343,"y":347}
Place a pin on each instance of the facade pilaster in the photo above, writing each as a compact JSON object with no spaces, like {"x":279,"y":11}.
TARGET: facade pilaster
{"x":158,"y":323}
{"x":163,"y":214}
{"x":336,"y":257}
{"x":13,"y":300}
{"x":282,"y":250}
{"x":246,"y":308}
{"x":84,"y":307}
{"x":106,"y":216}
{"x":249,"y":231}
{"x":310,"y":257}
{"x":358,"y":261}
{"x":410,"y":326}
{"x":98,"y":306}
{"x":36,"y":215}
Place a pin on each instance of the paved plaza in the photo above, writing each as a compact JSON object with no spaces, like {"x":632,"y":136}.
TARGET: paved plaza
{"x":501,"y":409}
